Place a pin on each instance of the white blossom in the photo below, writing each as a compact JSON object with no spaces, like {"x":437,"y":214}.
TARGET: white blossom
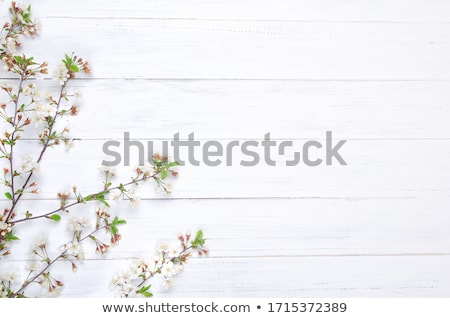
{"x":162,"y":247}
{"x":28,"y":165}
{"x":7,"y":86}
{"x":69,"y":144}
{"x":3,"y":226}
{"x":33,"y":266}
{"x":44,"y":110}
{"x":77,"y":224}
{"x":62,"y":74}
{"x":168,"y":269}
{"x":30,"y":90}
{"x":110,"y":171}
{"x":41,"y":241}
{"x":53,"y":292}
{"x":10,"y":44}
{"x":173,"y":251}
{"x":116,"y":195}
{"x":133,"y":197}
{"x":76,"y":250}
{"x":168,"y":282}
{"x":8,"y":132}
{"x":135,"y":201}
{"x":123,"y":285}
{"x":9,"y":276}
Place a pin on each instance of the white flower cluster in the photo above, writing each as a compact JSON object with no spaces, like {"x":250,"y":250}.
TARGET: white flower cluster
{"x":41,"y":242}
{"x":77,"y":224}
{"x":28,"y":164}
{"x":76,"y":250}
{"x":42,"y":111}
{"x":62,"y":74}
{"x":128,"y":283}
{"x":10,"y":44}
{"x":8,"y":279}
{"x":4,"y":228}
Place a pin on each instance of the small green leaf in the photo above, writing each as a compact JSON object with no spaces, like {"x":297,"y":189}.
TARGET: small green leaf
{"x":117,"y":221}
{"x":114,"y":229}
{"x":102,"y":200}
{"x":8,"y":195}
{"x":74,"y":68}
{"x":199,"y":235}
{"x":18,"y":59}
{"x":11,"y":237}
{"x":172,"y":164}
{"x":199,"y":241}
{"x":163,"y":174}
{"x":145,"y":291}
{"x":56,"y":217}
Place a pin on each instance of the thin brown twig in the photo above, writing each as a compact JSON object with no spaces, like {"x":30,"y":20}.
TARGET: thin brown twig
{"x":29,"y":281}
{"x":82,"y":201}
{"x":44,"y":148}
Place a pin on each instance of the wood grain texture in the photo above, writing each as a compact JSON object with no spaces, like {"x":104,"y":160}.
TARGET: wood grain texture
{"x":375,"y":73}
{"x":250,"y":49}
{"x":327,"y":10}
{"x":249,"y":109}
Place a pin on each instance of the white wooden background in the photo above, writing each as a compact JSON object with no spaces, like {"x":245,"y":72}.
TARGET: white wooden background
{"x":374,"y":72}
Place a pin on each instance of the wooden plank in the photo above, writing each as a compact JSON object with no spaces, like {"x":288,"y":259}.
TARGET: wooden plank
{"x":249,"y":49}
{"x":263,"y":227}
{"x":288,"y":109}
{"x":375,"y":168}
{"x":330,"y":10}
{"x":282,"y":277}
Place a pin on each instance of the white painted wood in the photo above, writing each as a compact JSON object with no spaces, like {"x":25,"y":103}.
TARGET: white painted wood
{"x":250,"y":49}
{"x":267,"y":227}
{"x":288,"y":109}
{"x":376,"y":168}
{"x":376,"y":73}
{"x":328,"y":10}
{"x":391,"y":276}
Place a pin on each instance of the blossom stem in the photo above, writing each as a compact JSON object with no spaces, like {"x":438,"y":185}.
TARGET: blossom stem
{"x":159,"y":268}
{"x":44,"y":148}
{"x":81,"y":201}
{"x":11,"y":151}
{"x":61,"y":255}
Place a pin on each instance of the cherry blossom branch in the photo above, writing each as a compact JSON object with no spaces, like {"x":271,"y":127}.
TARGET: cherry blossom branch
{"x":168,"y":262}
{"x":52,"y":262}
{"x":11,"y":149}
{"x":82,"y":200}
{"x":44,"y":148}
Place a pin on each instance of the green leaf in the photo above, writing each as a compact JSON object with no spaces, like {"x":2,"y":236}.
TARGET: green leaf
{"x":114,"y":229}
{"x":8,"y":195}
{"x":199,"y":235}
{"x":18,"y":59}
{"x":163,"y":174}
{"x":102,"y":200}
{"x":99,"y":197}
{"x":145,"y":291}
{"x":199,"y":241}
{"x":11,"y":237}
{"x":68,"y":61}
{"x":74,"y":68}
{"x":117,"y":221}
{"x":56,"y":217}
{"x":172,"y":164}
